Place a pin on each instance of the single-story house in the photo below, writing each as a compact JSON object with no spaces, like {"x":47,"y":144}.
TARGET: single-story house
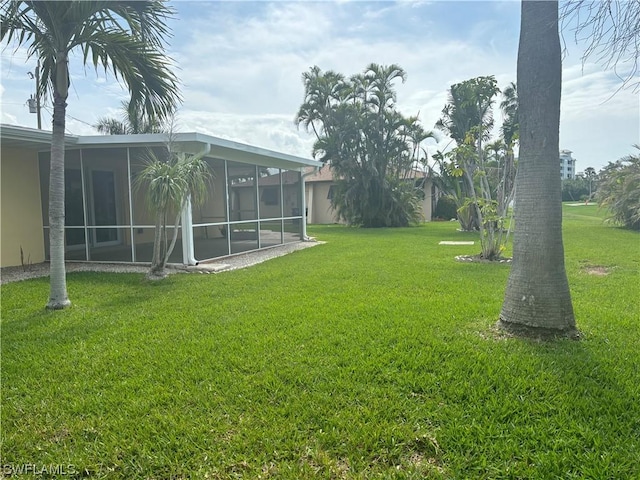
{"x":107,"y":218}
{"x":320,"y":184}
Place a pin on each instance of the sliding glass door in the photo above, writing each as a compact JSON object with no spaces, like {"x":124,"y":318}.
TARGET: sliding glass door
{"x":104,"y":206}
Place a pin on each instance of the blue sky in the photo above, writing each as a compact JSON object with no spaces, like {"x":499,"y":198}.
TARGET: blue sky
{"x":241,"y":63}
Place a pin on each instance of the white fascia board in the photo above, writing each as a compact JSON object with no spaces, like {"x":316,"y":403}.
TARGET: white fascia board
{"x":14,"y":135}
{"x":196,"y":142}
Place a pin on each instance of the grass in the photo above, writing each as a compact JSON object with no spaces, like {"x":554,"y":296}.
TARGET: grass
{"x":372,"y":356}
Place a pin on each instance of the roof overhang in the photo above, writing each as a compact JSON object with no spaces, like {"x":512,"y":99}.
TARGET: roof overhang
{"x":13,"y":136}
{"x":214,"y":147}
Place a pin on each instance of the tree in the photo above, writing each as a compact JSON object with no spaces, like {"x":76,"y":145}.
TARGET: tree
{"x":171,"y":181}
{"x":590,"y":174}
{"x":619,"y":190}
{"x":537,"y":296}
{"x":487,"y":168}
{"x":611,"y":28}
{"x":511,"y":122}
{"x":123,"y":37}
{"x":575,"y":189}
{"x":468,"y":118}
{"x":372,"y":148}
{"x":134,"y":121}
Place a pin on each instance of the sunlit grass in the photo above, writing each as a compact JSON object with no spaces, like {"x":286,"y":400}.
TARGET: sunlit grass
{"x":372,"y":356}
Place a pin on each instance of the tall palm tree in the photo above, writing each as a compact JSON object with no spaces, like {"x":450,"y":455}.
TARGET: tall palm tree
{"x":323,"y":91}
{"x":509,"y":107}
{"x":537,"y":296}
{"x":372,"y":148}
{"x":590,"y":174}
{"x":468,"y":119}
{"x":510,"y":133}
{"x":134,"y":121}
{"x":468,"y":111}
{"x":124,"y":37}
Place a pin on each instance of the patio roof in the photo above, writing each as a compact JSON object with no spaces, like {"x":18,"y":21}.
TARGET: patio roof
{"x":215,"y":147}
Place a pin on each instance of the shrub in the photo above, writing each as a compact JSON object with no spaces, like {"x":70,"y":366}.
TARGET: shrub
{"x":619,"y":190}
{"x":445,"y":208}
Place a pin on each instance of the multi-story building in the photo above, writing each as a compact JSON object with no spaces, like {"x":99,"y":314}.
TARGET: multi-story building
{"x":567,"y":165}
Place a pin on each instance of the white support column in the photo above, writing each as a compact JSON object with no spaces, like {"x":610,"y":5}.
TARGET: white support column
{"x":187,"y":235}
{"x":84,"y":210}
{"x":309,"y":218}
{"x":304,"y":203}
{"x":188,"y":256}
{"x":131,"y":232}
{"x":256,"y":175}
{"x":227,"y":196}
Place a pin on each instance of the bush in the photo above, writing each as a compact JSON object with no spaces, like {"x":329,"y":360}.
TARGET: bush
{"x":574,"y":189}
{"x":446,"y":208}
{"x":619,"y":190}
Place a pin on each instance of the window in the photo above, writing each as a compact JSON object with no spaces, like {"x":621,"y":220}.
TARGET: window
{"x":269,"y":195}
{"x":331,"y":192}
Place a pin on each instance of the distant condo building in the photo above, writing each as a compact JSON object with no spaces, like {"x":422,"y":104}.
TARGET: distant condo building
{"x":567,"y":165}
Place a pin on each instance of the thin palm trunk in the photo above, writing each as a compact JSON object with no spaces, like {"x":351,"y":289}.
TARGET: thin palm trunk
{"x":537,"y":296}
{"x":58,"y":297}
{"x":156,"y":269}
{"x":174,"y":238}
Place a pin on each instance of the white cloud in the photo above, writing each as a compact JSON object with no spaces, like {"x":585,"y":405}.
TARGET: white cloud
{"x":275,"y":132}
{"x":240,"y":65}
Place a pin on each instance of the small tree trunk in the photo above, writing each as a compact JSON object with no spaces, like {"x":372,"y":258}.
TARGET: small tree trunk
{"x":58,"y":297}
{"x":157,"y":268}
{"x":174,"y":239}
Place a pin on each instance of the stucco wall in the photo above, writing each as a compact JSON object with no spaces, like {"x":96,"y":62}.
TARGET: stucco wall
{"x":319,"y":206}
{"x":426,"y":202}
{"x":20,"y":208}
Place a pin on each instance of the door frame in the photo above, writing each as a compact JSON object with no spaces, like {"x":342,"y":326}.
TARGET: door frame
{"x":92,"y":210}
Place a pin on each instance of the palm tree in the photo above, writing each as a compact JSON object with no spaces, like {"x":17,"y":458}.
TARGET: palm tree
{"x":510,"y":133}
{"x":619,"y":190}
{"x":590,"y":174}
{"x":171,"y":183}
{"x":509,"y":107}
{"x":537,"y":297}
{"x":121,"y":36}
{"x":134,"y":121}
{"x":323,"y":91}
{"x":468,"y":119}
{"x":372,"y":148}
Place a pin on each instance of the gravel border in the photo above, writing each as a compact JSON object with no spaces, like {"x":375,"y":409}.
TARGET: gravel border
{"x":235,"y":262}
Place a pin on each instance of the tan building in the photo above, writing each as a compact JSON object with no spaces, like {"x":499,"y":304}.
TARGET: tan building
{"x":106,"y":217}
{"x":319,"y":184}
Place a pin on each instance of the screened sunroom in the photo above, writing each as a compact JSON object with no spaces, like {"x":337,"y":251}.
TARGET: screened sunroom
{"x":256,"y":199}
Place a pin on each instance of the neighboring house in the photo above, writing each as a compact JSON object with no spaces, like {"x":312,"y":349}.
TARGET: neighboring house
{"x":567,"y":165}
{"x":319,"y":188}
{"x":107,"y":218}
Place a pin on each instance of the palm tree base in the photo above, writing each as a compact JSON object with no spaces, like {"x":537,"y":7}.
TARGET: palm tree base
{"x":537,"y":333}
{"x":57,"y":305}
{"x":155,"y":275}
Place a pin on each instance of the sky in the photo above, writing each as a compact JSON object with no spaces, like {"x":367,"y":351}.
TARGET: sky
{"x":240,"y":64}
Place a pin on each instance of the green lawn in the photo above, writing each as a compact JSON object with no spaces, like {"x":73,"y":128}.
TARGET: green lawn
{"x":372,"y":356}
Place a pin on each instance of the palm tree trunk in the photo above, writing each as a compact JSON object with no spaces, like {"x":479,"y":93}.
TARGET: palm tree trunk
{"x":174,"y":238}
{"x":157,"y":269}
{"x":537,"y":296}
{"x":58,"y":298}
